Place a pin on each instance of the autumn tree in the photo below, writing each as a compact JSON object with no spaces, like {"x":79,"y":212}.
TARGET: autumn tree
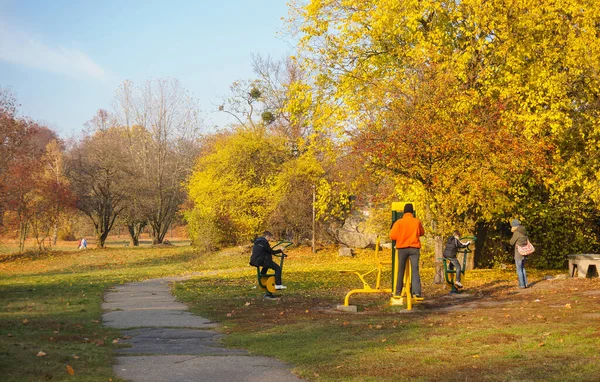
{"x":52,"y":197}
{"x":233,"y":187}
{"x":431,"y":91}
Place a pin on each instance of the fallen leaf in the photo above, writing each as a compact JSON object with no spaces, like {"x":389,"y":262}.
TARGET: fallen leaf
{"x":116,"y":341}
{"x":542,"y":344}
{"x":568,"y":306}
{"x":41,"y":354}
{"x":25,"y":321}
{"x":76,"y":356}
{"x":70,"y":370}
{"x":476,"y":356}
{"x":247,"y":303}
{"x":384,"y":339}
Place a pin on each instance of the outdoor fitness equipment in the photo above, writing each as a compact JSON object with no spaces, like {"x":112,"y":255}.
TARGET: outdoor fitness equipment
{"x":406,"y":288}
{"x":267,"y":281}
{"x":397,"y":213}
{"x":366,"y":287}
{"x":450,"y":272}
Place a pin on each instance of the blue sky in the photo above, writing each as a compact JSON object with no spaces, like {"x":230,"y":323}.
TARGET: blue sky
{"x":64,"y":59}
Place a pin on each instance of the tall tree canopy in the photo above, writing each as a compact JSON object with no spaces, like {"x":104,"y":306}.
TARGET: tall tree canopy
{"x":480,"y":110}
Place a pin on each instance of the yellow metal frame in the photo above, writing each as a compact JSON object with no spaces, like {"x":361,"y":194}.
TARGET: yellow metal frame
{"x":366,"y":287}
{"x":406,"y":287}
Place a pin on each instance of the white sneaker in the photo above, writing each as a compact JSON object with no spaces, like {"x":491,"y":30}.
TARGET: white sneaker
{"x":458,"y":284}
{"x":280,"y":287}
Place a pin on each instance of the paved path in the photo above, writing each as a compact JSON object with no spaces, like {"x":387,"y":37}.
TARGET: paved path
{"x":171,"y":344}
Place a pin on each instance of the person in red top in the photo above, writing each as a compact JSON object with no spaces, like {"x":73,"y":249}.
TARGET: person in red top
{"x":407,"y":232}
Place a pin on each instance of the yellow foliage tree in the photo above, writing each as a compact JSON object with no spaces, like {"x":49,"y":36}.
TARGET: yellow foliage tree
{"x":234,"y":187}
{"x":475,"y":107}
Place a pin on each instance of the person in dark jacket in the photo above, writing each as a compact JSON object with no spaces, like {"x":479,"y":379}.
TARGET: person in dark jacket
{"x":519,"y":238}
{"x":452,"y":246}
{"x":262,"y":256}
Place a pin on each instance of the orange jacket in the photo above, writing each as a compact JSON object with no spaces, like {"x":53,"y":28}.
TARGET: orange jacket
{"x":407,"y":231}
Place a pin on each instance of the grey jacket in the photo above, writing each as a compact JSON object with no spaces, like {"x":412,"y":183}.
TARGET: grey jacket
{"x":519,"y":237}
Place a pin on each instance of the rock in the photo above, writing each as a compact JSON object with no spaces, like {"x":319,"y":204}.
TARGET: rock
{"x":352,"y":232}
{"x":345,"y":251}
{"x":562,"y":277}
{"x":548,"y":277}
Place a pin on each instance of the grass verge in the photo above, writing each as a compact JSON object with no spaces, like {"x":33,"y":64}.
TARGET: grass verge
{"x":50,"y":303}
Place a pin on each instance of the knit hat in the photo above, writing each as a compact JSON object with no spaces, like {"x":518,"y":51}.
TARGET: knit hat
{"x":408,"y":208}
{"x":515,"y":223}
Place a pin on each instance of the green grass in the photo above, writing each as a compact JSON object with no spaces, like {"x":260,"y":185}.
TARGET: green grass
{"x":51,"y":303}
{"x":500,"y":334}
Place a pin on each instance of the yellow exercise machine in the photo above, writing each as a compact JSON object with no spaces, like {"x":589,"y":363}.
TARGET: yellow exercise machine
{"x":366,"y":287}
{"x":397,"y":212}
{"x":406,"y":286}
{"x":266,"y":282}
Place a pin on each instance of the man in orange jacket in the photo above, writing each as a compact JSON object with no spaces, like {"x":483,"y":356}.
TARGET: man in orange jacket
{"x":407,"y":232}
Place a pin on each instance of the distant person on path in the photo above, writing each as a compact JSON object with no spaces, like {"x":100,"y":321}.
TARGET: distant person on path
{"x":519,"y":238}
{"x":452,"y":246}
{"x":83,"y":243}
{"x":79,"y":244}
{"x":262,"y":256}
{"x":407,"y":232}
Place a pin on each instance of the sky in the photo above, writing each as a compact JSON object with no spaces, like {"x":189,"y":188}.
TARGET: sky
{"x":63,"y":60}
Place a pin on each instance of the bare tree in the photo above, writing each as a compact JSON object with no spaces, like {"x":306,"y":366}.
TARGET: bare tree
{"x":162,"y":123}
{"x":98,"y":175}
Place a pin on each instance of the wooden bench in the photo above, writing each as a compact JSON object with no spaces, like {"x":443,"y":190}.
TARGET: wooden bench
{"x":584,"y":265}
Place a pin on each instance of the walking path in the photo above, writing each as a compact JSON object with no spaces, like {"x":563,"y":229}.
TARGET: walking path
{"x":171,"y":344}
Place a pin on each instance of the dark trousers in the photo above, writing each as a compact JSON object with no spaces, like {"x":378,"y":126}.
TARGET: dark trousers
{"x":413,"y":254}
{"x":455,"y":264}
{"x":274,"y":266}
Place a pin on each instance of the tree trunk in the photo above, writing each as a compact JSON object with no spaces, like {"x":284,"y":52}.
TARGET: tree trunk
{"x":135,"y":229}
{"x":55,"y":234}
{"x":22,"y":236}
{"x":102,"y":239}
{"x":481,"y":234}
{"x":438,"y":277}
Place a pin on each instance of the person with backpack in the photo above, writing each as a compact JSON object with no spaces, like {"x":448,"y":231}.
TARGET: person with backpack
{"x":453,"y":244}
{"x":262,"y":256}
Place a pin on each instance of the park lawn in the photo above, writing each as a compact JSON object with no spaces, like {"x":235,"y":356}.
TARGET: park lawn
{"x":493,"y":332}
{"x":51,"y":303}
